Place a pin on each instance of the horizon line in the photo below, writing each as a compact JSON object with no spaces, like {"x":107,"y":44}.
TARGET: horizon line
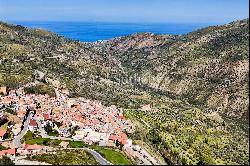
{"x":128,"y":22}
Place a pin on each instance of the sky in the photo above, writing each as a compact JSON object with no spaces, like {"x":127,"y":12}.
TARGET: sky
{"x":202,"y":11}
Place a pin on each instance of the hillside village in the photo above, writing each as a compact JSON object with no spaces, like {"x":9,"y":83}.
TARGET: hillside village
{"x":74,"y":118}
{"x":194,"y":89}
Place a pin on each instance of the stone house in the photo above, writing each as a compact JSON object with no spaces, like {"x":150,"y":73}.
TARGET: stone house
{"x":3,"y":90}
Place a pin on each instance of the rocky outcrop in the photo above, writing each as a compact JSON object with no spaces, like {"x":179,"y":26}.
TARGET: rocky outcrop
{"x":40,"y":76}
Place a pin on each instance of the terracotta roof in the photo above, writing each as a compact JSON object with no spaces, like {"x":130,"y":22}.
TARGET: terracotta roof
{"x":21,"y":113}
{"x":33,"y":122}
{"x":2,"y":132}
{"x":124,"y":142}
{"x":113,"y":137}
{"x":121,"y":117}
{"x":32,"y":147}
{"x":8,"y":151}
{"x":46,"y":116}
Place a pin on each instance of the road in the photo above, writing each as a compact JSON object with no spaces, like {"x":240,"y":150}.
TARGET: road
{"x":96,"y":155}
{"x":40,"y":128}
{"x":17,"y":140}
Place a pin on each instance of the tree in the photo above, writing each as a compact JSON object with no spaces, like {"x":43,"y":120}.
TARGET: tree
{"x":29,"y":135}
{"x":153,"y":136}
{"x":46,"y":142}
{"x":119,"y":144}
{"x":48,"y":128}
{"x":6,"y":161}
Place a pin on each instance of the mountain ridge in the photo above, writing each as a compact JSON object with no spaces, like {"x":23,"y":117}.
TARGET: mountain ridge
{"x":195,"y":79}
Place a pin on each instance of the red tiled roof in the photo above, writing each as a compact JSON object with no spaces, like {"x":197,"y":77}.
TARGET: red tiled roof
{"x":8,"y":151}
{"x":33,"y":123}
{"x":21,"y":113}
{"x":113,"y":137}
{"x":121,"y":117}
{"x":46,"y":116}
{"x":2,"y":132}
{"x":124,"y":142}
{"x":122,"y":138}
{"x":32,"y":147}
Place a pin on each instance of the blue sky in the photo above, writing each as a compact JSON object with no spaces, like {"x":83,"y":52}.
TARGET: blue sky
{"x":203,"y":11}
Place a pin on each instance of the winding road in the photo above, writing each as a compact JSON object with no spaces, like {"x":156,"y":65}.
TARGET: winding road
{"x":17,"y":140}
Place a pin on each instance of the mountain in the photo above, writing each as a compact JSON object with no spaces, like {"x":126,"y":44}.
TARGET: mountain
{"x":208,"y":67}
{"x":196,"y":84}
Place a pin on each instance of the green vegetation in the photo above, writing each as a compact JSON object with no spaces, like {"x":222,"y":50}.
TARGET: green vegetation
{"x":13,"y":81}
{"x":30,"y":138}
{"x":53,"y":133}
{"x":2,"y":147}
{"x":11,"y":111}
{"x":50,"y":131}
{"x":114,"y":156}
{"x":4,"y":160}
{"x":77,"y":144}
{"x":66,"y":157}
{"x":41,"y":89}
{"x":59,"y":124}
{"x":188,"y":136}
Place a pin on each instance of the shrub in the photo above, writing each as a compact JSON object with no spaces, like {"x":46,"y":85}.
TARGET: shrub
{"x":4,"y":160}
{"x":40,"y":89}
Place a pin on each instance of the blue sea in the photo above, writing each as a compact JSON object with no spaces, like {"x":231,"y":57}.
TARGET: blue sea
{"x":94,"y":31}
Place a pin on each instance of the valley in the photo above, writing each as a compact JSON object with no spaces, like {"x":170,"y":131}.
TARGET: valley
{"x":181,"y":99}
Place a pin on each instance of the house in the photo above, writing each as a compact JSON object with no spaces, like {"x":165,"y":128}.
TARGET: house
{"x":3,"y":90}
{"x":65,"y":92}
{"x":32,"y":148}
{"x":103,"y":143}
{"x":95,"y":136}
{"x":46,"y":117}
{"x":2,"y":134}
{"x":64,"y":144}
{"x":146,"y":107}
{"x":32,"y":125}
{"x":129,"y":142}
{"x":31,"y":109}
{"x":21,"y":114}
{"x":16,"y":128}
{"x":80,"y":134}
{"x":1,"y":106}
{"x":8,"y":152}
{"x":121,"y":117}
{"x":121,"y":137}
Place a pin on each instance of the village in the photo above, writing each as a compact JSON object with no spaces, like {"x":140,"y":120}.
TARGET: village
{"x":76,"y":119}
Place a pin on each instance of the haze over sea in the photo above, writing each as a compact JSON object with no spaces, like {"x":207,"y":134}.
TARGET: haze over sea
{"x":94,"y":31}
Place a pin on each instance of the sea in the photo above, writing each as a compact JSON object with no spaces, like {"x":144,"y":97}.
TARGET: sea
{"x":95,"y":31}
